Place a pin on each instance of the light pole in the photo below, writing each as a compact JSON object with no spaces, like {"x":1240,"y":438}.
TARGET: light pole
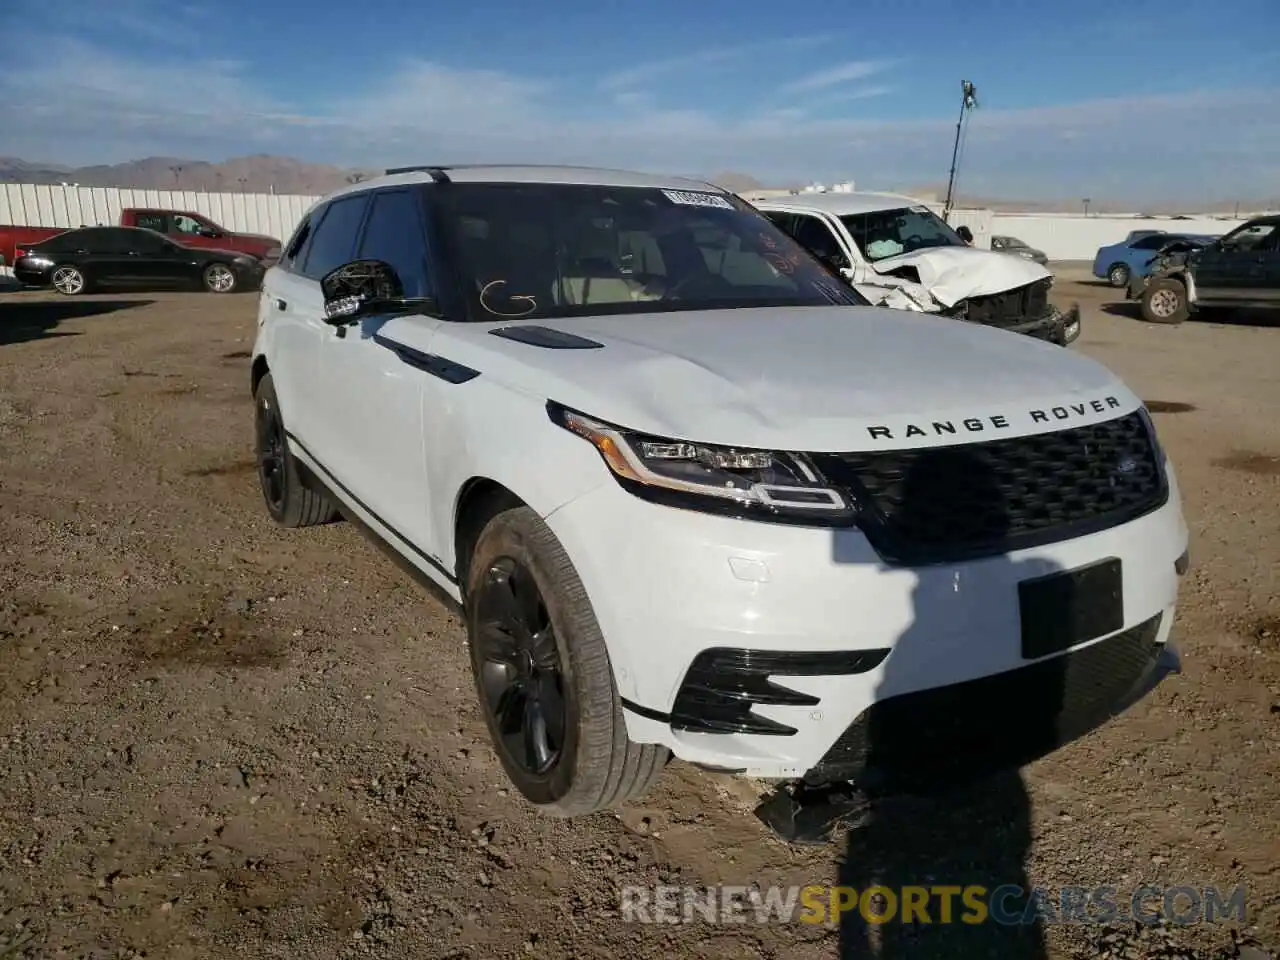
{"x":968,"y":100}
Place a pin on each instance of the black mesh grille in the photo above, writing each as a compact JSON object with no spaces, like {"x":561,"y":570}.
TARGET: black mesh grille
{"x":1013,"y":306}
{"x":943,"y":504}
{"x":993,"y":723}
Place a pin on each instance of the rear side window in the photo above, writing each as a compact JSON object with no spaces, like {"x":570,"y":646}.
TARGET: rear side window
{"x":298,"y":242}
{"x":334,"y":242}
{"x":394,"y":234}
{"x":1153,"y":242}
{"x":158,"y":222}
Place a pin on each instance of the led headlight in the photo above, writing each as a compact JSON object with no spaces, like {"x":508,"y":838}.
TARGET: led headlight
{"x":765,"y":484}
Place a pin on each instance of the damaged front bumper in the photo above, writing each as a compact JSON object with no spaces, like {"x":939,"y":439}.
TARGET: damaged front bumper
{"x":1057,"y":326}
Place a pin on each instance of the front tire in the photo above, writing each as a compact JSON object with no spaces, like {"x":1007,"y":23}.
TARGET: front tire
{"x":289,"y":502}
{"x":219,"y":278}
{"x":1118,"y":276}
{"x":68,"y":280}
{"x":1165,"y":301}
{"x":543,"y":675}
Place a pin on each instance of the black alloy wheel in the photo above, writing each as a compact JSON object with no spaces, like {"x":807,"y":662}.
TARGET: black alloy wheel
{"x":271,"y":455}
{"x":522,"y":684}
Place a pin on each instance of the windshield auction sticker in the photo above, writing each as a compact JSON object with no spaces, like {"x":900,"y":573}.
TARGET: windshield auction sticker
{"x":688,"y":198}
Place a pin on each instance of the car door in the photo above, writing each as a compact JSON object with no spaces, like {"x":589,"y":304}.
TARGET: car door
{"x":378,"y":377}
{"x":156,"y":260}
{"x":1139,"y":254}
{"x":293,"y":297}
{"x":1235,"y":267}
{"x":1269,"y":249}
{"x":103,"y":254}
{"x":820,"y":238}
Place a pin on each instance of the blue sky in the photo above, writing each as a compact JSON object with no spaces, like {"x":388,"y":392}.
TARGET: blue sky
{"x":1108,"y":100}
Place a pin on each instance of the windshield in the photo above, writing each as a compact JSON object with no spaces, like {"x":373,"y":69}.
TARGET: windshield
{"x":887,"y":233}
{"x":560,"y":250}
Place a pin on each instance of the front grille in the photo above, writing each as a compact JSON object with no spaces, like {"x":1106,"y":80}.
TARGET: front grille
{"x":971,"y":729}
{"x":1013,"y":306}
{"x":945,"y":504}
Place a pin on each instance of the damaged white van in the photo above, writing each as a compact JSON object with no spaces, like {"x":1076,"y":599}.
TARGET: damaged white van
{"x":898,"y":253}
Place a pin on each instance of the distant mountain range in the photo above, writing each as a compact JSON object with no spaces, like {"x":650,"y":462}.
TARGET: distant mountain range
{"x":264,"y":174}
{"x":256,"y":174}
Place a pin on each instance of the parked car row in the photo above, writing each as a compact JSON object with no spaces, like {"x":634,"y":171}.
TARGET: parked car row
{"x":1119,"y":263}
{"x":184,"y":227}
{"x":76,"y":261}
{"x":1240,"y":270}
{"x":694,"y":496}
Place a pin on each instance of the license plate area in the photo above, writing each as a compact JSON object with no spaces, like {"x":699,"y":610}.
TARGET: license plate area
{"x":1060,"y":610}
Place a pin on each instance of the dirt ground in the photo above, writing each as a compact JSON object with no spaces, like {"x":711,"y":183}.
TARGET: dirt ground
{"x":220,"y":738}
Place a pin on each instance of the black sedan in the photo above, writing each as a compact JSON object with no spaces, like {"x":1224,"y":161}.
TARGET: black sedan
{"x":77,"y":260}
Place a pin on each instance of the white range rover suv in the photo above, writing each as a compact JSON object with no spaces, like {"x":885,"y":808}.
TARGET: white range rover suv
{"x":694,"y":496}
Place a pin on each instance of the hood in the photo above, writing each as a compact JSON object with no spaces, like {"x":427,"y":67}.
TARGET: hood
{"x":953,"y":274}
{"x":807,"y":378}
{"x":258,"y":237}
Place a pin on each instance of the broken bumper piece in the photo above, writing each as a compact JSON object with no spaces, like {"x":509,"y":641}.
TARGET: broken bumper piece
{"x":1056,"y":326}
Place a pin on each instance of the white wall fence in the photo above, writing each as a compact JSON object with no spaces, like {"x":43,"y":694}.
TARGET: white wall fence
{"x":39,"y":205}
{"x":1062,"y":237}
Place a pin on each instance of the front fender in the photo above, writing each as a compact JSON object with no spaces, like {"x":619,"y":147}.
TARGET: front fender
{"x":483,"y":429}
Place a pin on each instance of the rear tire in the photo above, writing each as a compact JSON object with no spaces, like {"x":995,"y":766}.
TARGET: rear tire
{"x":537,"y":652}
{"x":1118,"y":276}
{"x":289,"y":502}
{"x":68,"y":280}
{"x":1165,"y":301}
{"x":219,"y":278}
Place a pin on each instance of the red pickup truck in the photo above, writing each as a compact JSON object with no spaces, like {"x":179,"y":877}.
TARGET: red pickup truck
{"x":188,"y":229}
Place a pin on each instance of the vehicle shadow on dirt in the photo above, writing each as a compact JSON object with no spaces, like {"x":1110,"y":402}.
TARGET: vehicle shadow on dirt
{"x":1132,"y":310}
{"x":24,"y":320}
{"x":960,"y":850}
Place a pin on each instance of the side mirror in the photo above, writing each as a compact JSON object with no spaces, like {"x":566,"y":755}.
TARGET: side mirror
{"x":360,"y":288}
{"x":209,"y":232}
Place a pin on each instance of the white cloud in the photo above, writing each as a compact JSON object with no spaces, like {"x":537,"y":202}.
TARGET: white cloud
{"x":834,"y":76}
{"x":67,"y":101}
{"x":703,"y":60}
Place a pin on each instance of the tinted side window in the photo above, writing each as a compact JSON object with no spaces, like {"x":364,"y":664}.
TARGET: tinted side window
{"x":334,"y":242}
{"x":297,"y":242}
{"x":158,"y":222}
{"x":394,"y":234}
{"x":1152,"y":242}
{"x":816,"y":237}
{"x":781,"y":220}
{"x":148,"y":244}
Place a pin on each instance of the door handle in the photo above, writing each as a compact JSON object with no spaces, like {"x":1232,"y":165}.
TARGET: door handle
{"x":281,"y":304}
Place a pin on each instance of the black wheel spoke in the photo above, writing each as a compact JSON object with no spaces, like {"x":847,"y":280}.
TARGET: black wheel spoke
{"x":543,"y":647}
{"x":527,"y":599}
{"x":518,"y":667}
{"x":511,"y":709}
{"x":538,"y":750}
{"x":497,"y":644}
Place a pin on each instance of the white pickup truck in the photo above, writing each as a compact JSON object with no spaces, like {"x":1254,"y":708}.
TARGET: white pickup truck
{"x":898,"y":253}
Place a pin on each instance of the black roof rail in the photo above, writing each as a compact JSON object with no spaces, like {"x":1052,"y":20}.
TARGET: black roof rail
{"x":437,"y":173}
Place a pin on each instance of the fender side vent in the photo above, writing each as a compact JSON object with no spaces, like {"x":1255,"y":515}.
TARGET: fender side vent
{"x":546,"y":338}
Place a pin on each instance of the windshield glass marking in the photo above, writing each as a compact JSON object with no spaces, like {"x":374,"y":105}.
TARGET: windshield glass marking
{"x":485,"y":295}
{"x":564,"y":250}
{"x":691,"y":199}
